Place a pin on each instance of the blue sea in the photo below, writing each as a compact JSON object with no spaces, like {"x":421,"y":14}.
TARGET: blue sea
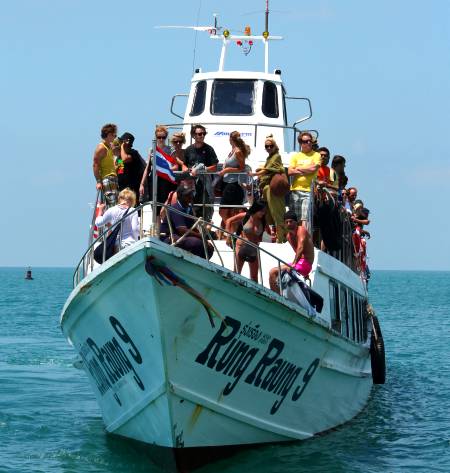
{"x":50,"y":422}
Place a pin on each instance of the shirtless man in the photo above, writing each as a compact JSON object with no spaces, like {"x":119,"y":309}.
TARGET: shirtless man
{"x":302,"y":244}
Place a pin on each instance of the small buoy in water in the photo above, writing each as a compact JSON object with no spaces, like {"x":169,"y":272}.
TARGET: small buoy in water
{"x":28,"y":274}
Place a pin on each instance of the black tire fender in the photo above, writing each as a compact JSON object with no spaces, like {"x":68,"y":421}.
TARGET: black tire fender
{"x":377,"y":355}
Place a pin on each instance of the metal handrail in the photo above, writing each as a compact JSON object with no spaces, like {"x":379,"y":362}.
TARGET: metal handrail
{"x":237,"y":123}
{"x":173,"y":101}
{"x":88,"y":255}
{"x":303,"y":119}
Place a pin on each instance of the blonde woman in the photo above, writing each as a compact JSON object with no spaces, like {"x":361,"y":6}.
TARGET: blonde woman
{"x":130,"y":226}
{"x":177,"y":141}
{"x":163,"y":186}
{"x":276,"y":205}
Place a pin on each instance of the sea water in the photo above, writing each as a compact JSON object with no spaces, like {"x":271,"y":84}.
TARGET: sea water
{"x":50,"y":422}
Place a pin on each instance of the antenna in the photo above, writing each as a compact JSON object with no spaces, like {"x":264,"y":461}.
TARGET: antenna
{"x":195,"y":36}
{"x":245,"y":40}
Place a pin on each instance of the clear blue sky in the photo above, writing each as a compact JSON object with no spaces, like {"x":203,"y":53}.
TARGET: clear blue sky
{"x":378,"y":75}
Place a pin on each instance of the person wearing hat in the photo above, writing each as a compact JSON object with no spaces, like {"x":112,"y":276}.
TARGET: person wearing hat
{"x":360,"y":218}
{"x":181,"y":222}
{"x":302,"y":244}
{"x":130,"y":165}
{"x":360,"y":215}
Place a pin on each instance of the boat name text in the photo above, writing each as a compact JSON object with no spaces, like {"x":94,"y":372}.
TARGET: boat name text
{"x":109,"y":362}
{"x":228,"y":354}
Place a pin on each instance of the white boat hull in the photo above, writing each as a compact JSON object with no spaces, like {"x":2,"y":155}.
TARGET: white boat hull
{"x":163,"y":375}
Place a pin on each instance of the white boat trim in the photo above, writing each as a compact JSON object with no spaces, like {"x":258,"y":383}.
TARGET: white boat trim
{"x":328,"y":273}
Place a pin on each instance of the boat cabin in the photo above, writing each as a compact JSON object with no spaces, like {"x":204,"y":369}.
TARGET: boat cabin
{"x":253,"y":103}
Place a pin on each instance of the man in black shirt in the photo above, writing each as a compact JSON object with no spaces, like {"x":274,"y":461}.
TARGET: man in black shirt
{"x":201,"y":157}
{"x":130,"y":166}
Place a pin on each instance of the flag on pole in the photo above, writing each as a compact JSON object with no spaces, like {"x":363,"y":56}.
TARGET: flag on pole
{"x":95,"y":232}
{"x":163,"y":165}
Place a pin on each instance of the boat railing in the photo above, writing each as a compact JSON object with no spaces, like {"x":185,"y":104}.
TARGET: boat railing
{"x":256,"y":127}
{"x":346,"y":254}
{"x":206,"y":229}
{"x":249,"y":189}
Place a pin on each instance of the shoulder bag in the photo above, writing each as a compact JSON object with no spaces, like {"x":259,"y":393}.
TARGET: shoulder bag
{"x":279,"y":185}
{"x":110,"y":243}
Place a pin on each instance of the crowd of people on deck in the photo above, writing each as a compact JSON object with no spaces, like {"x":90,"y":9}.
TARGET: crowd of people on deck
{"x":251,"y":202}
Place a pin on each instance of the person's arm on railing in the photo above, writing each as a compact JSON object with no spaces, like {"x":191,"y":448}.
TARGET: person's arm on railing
{"x":232,"y":225}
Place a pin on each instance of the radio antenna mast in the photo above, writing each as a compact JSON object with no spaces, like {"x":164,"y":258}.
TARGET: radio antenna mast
{"x":195,"y":37}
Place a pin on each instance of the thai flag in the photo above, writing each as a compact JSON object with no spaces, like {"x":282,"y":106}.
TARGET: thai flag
{"x":163,"y":163}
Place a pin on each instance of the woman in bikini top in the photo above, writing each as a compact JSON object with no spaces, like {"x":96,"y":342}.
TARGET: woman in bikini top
{"x":253,"y":229}
{"x":253,"y":224}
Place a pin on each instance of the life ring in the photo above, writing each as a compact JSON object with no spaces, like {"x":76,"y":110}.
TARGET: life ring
{"x":377,"y":356}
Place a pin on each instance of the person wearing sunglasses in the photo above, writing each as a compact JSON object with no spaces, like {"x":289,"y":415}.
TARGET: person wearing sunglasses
{"x":185,"y":180}
{"x":177,"y":141}
{"x":200,"y":158}
{"x":276,"y":206}
{"x":104,"y":166}
{"x":163,"y":186}
{"x":303,"y":168}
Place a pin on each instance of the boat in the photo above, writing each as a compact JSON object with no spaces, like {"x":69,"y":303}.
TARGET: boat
{"x":28,"y":274}
{"x":190,"y":358}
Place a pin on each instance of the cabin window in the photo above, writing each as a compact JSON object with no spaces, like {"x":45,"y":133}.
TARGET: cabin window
{"x":232,"y":97}
{"x":334,"y":307}
{"x":284,"y":107}
{"x":198,"y":104}
{"x":270,"y":100}
{"x":356,"y":318}
{"x":351,"y":315}
{"x":344,"y":312}
{"x":364,"y":319}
